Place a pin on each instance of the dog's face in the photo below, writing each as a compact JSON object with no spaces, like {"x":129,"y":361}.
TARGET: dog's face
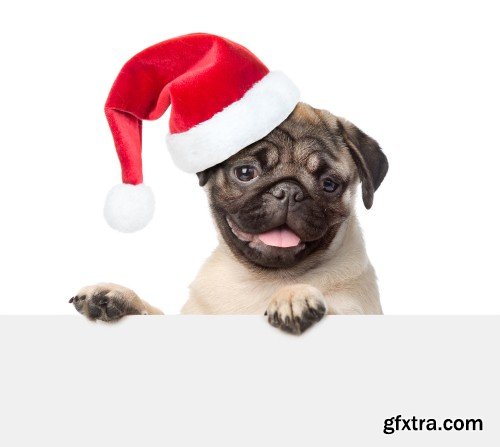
{"x":284,"y":198}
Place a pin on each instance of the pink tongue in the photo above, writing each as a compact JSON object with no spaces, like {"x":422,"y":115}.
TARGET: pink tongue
{"x":280,"y":237}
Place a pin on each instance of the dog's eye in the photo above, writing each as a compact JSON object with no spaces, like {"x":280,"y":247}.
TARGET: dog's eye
{"x":245,"y":173}
{"x":329,"y":185}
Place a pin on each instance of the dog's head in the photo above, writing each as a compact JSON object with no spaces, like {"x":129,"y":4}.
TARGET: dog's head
{"x":284,"y":198}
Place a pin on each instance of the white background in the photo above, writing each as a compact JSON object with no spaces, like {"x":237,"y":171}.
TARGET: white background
{"x":421,"y":78}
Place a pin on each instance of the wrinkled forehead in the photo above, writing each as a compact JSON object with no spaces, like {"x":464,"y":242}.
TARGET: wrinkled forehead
{"x":295,"y":145}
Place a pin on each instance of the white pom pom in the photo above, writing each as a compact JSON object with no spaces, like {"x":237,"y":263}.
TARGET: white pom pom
{"x":129,"y":208}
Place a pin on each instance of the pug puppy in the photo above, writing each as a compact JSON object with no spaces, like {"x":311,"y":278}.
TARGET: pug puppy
{"x":290,"y":246}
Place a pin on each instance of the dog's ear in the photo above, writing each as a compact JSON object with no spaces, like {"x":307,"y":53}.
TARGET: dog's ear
{"x":203,"y":176}
{"x":371,"y":162}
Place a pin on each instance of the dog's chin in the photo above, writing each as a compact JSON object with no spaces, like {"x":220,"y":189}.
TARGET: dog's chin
{"x":277,"y":248}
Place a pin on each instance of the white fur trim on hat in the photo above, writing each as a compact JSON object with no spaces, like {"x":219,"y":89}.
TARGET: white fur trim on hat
{"x":266,"y":105}
{"x":129,"y":208}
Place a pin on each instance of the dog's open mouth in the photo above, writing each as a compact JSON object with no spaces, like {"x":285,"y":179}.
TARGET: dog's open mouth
{"x":280,"y":237}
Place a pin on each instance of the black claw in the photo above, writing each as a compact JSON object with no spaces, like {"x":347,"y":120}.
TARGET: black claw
{"x":272,"y":319}
{"x":100,"y":299}
{"x":276,"y":319}
{"x":94,"y":312}
{"x":114,"y":312}
{"x":313,"y":314}
{"x":71,"y":299}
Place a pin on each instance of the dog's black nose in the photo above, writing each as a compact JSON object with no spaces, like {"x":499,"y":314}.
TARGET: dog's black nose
{"x":287,"y":191}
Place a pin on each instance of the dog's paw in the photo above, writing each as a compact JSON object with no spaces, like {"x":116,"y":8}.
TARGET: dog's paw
{"x":107,"y":302}
{"x":296,"y":308}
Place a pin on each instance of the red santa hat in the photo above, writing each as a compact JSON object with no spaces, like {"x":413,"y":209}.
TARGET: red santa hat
{"x":222,"y":99}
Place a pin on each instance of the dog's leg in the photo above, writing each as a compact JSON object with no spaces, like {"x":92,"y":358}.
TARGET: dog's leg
{"x":296,"y":308}
{"x":360,"y":296}
{"x":110,"y":302}
{"x":351,"y":303}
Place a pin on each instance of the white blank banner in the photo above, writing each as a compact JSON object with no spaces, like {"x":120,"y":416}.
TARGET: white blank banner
{"x":235,"y":381}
